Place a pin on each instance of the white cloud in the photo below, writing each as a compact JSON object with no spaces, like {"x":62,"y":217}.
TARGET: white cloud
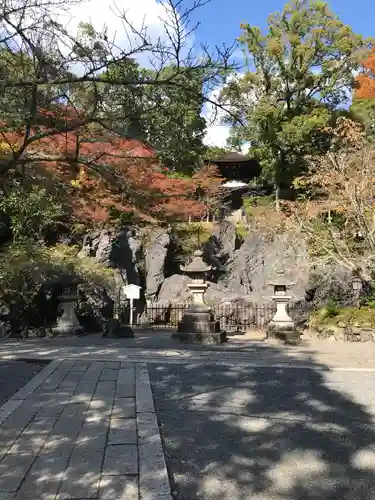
{"x":217,"y":132}
{"x":148,"y":16}
{"x":108,"y":13}
{"x":217,"y":135}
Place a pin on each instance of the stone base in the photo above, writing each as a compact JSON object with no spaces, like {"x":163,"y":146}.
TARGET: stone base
{"x":198,"y":326}
{"x":114,"y":329}
{"x":67,"y":331}
{"x":206,"y":338}
{"x":283,"y":333}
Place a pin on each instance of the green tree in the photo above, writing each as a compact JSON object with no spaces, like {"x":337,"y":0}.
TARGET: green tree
{"x":363,"y":110}
{"x":167,"y":117}
{"x":300,"y":74}
{"x":43,"y":94}
{"x":214,"y":152}
{"x":31,"y":212}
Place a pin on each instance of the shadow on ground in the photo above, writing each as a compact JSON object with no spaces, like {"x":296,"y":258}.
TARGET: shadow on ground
{"x":58,"y":443}
{"x":266,"y":433}
{"x":14,"y":375}
{"x":151,"y":344}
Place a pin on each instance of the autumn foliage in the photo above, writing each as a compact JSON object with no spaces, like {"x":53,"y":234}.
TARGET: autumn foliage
{"x":105,"y":175}
{"x":365,"y":80}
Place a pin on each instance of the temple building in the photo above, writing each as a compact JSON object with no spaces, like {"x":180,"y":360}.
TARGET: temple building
{"x":242,"y":175}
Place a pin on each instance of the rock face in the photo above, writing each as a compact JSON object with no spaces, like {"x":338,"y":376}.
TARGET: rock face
{"x":258,"y":259}
{"x":120,"y":251}
{"x":155,"y":253}
{"x":125,"y":255}
{"x":242,"y":268}
{"x":221,"y":245}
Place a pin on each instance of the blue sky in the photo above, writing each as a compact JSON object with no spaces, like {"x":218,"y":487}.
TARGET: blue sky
{"x":221,"y":19}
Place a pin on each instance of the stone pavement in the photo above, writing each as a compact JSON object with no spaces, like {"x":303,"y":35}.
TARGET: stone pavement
{"x":85,"y":426}
{"x":155,"y":347}
{"x":83,"y":429}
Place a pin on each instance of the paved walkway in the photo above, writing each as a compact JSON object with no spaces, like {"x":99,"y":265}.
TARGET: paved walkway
{"x":155,"y":347}
{"x":85,"y":426}
{"x":82,"y":430}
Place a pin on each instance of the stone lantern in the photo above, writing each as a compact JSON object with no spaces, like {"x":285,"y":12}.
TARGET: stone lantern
{"x":282,"y":325}
{"x":198,"y":323}
{"x":68,"y":323}
{"x":357,"y":288}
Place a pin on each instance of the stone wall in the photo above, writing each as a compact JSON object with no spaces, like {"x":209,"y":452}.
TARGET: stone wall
{"x":346,"y":334}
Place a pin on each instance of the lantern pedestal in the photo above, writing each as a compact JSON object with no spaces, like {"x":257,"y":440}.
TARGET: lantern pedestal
{"x":282,"y":327}
{"x":198,"y":324}
{"x":68,"y":323}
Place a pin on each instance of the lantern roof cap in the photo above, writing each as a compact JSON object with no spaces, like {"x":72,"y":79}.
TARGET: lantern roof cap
{"x":280,"y":279}
{"x":197,"y":265}
{"x":65,"y":279}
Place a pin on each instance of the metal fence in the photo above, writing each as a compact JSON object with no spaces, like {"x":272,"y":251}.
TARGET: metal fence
{"x":239,"y":317}
{"x":232,"y":317}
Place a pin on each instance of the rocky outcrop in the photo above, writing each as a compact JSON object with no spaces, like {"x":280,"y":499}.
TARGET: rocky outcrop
{"x":258,"y":259}
{"x":221,"y":245}
{"x":242,"y":268}
{"x":123,"y":251}
{"x":120,"y":251}
{"x":155,"y":253}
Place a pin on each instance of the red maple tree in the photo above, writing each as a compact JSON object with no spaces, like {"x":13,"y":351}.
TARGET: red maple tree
{"x":365,"y":80}
{"x":103,"y":173}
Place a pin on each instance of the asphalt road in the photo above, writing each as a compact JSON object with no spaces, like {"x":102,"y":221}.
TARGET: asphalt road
{"x":14,"y":375}
{"x":266,"y":433}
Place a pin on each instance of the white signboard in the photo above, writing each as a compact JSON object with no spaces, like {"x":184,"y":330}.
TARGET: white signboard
{"x":131,"y":291}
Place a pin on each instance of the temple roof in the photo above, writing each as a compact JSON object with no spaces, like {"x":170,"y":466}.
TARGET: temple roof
{"x":233,"y":157}
{"x":235,"y":166}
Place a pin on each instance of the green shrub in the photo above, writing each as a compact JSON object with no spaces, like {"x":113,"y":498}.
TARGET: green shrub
{"x":31,"y":212}
{"x":346,"y":316}
{"x":242,"y":231}
{"x":187,"y":235}
{"x":25,"y":266}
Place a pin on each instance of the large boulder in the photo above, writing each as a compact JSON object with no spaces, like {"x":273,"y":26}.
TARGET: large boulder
{"x":217,"y":294}
{"x":155,"y":253}
{"x":330,"y":283}
{"x":174,"y":290}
